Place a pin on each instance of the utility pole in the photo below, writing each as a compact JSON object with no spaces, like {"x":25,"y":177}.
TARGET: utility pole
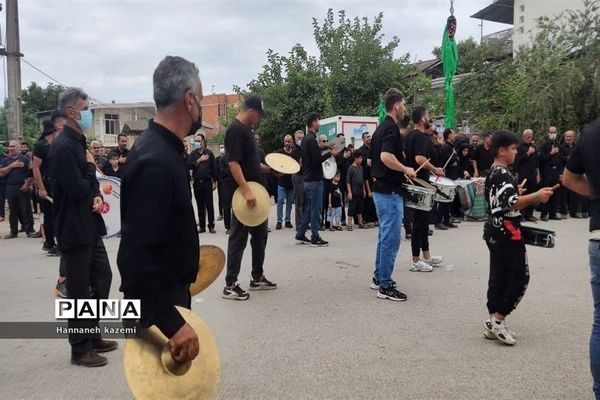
{"x":13,"y":57}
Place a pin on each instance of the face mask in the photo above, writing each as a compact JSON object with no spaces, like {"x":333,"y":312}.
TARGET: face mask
{"x":222,"y":151}
{"x":197,"y":124}
{"x":85,"y":119}
{"x":552,"y":136}
{"x":298,"y":142}
{"x":197,"y":145}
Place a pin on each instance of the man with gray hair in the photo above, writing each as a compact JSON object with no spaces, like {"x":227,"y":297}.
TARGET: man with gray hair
{"x":159,"y":251}
{"x":79,"y":225}
{"x":527,"y":168}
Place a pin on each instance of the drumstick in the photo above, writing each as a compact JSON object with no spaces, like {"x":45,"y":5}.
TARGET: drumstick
{"x":50,"y":199}
{"x":422,"y":165}
{"x":555,"y":187}
{"x":411,"y":182}
{"x":523,"y":183}
{"x":449,"y":158}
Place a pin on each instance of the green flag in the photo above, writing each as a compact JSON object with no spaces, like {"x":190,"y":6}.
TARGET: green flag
{"x":381,"y":110}
{"x":450,"y":61}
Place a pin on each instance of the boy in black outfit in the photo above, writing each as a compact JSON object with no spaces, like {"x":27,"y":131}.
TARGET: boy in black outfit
{"x":356,"y":187}
{"x":509,"y":271}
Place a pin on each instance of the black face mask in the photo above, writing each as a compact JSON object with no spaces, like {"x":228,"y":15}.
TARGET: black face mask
{"x":198,"y":123}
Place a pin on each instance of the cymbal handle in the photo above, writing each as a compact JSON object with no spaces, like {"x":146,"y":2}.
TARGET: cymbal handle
{"x":170,"y":365}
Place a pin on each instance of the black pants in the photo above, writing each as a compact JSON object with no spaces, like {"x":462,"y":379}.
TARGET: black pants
{"x":550,"y":180}
{"x":238,"y":238}
{"x":530,"y":187}
{"x":298,"y":182}
{"x":509,"y":276}
{"x":420,"y":232}
{"x":443,"y":213}
{"x":19,"y":203}
{"x":2,"y":198}
{"x":48,"y":211}
{"x":62,"y":269}
{"x":204,"y":201}
{"x":89,"y":277}
{"x":408,"y":219}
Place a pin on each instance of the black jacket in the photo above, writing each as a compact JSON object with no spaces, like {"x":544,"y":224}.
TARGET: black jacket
{"x":312,"y":159}
{"x":206,"y":171}
{"x":448,"y":153}
{"x":550,"y":165}
{"x":74,"y":187}
{"x":159,"y":250}
{"x":526,"y":165}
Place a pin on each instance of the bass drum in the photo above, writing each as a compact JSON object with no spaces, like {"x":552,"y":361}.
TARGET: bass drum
{"x":110,"y":188}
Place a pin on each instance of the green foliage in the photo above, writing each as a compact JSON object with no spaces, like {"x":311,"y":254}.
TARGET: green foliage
{"x":555,"y":81}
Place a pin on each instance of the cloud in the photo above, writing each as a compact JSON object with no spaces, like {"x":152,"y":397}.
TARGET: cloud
{"x":111,"y":47}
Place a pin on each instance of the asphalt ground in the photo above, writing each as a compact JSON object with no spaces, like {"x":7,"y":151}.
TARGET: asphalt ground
{"x":323,"y":334}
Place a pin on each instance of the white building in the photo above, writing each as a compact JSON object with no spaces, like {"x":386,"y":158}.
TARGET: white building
{"x":523,"y":15}
{"x":109,"y":119}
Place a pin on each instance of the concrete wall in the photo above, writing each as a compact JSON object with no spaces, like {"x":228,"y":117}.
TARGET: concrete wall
{"x":98,"y":128}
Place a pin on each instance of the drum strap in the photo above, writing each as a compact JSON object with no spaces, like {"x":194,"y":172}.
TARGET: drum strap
{"x":595,"y":235}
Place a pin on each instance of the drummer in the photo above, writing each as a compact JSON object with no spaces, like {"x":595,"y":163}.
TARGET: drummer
{"x":245,"y":166}
{"x":419,"y":149}
{"x":509,"y":272}
{"x":312,"y":161}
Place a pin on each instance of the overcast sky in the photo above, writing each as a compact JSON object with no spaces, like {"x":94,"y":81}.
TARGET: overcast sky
{"x":111,"y":47}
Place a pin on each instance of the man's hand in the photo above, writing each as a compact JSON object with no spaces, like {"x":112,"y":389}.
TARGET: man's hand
{"x":202,"y":159}
{"x":97,"y":205}
{"x":466,"y":174}
{"x":89,"y":157}
{"x":410,"y":172}
{"x":329,"y":207}
{"x":17,"y":164}
{"x":214,"y":186}
{"x":531,"y":150}
{"x":438,"y":171}
{"x":250,"y":197}
{"x":184,"y":344}
{"x":122,"y":160}
{"x":544,"y":194}
{"x":476,"y":174}
{"x":554,"y":150}
{"x":25,"y":188}
{"x":42,"y":194}
{"x":370,"y":194}
{"x":350,"y":196}
{"x":538,"y":178}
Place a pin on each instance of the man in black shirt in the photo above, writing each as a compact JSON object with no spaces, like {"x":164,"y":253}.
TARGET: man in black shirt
{"x":582,"y":175}
{"x":298,"y":181}
{"x":482,"y":157}
{"x":159,"y":251}
{"x":570,"y":201}
{"x":121,"y":151}
{"x":285,"y":188}
{"x":389,"y":171}
{"x":219,"y":180}
{"x":419,"y":148}
{"x":205,"y":182}
{"x":242,"y":151}
{"x":79,"y":225}
{"x":312,"y":161}
{"x":449,"y":158}
{"x":368,"y":212}
{"x":551,"y":169}
{"x":509,"y":272}
{"x":17,"y":176}
{"x":527,"y":167}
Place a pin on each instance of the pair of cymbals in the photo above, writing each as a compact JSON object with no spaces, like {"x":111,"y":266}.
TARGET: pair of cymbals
{"x":282,"y":163}
{"x":252,"y":216}
{"x":210,"y":265}
{"x":152,"y":373}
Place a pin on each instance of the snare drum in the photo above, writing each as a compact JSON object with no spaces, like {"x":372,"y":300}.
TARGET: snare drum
{"x":110,"y":187}
{"x":538,"y":237}
{"x":329,"y":168}
{"x":446,"y":188}
{"x":418,"y":197}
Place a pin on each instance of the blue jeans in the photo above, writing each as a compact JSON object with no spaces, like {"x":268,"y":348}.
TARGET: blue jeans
{"x":594,"y":252}
{"x":313,"y":202}
{"x":390,"y":211}
{"x":287,"y":195}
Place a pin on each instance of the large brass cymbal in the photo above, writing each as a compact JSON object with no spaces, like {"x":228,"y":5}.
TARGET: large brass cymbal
{"x":210,"y":265}
{"x":282,"y":163}
{"x":152,"y":373}
{"x":256,"y":215}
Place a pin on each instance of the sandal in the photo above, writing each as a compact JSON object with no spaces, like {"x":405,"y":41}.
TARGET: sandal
{"x":349,"y":227}
{"x":339,"y":228}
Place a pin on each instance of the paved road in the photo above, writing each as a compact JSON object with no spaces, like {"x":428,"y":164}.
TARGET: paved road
{"x":324,"y":334}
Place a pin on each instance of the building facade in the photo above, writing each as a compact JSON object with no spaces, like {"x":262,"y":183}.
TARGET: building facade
{"x":214,"y":107}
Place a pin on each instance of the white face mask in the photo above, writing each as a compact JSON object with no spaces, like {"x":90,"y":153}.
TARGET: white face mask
{"x":222,"y":150}
{"x":552,"y":136}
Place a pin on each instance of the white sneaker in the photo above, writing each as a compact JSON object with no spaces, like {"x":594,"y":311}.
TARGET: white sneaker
{"x":420,"y":266}
{"x":488,"y":332}
{"x":502,"y":332}
{"x":434,"y":261}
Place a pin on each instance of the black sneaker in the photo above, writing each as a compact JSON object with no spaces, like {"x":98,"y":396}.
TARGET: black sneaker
{"x":441,"y":227}
{"x":391,"y":293}
{"x":278,"y":226}
{"x":451,"y":225}
{"x":262,"y":284}
{"x":235,"y":293}
{"x":318,"y":242}
{"x":302,"y":239}
{"x":289,"y":225}
{"x":53,"y":252}
{"x":212,"y":230}
{"x":375,"y":284}
{"x":45,"y":247}
{"x":544,"y":217}
{"x":61,"y":289}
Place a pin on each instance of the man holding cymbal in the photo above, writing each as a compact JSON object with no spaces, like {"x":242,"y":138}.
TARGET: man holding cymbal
{"x":245,"y":167}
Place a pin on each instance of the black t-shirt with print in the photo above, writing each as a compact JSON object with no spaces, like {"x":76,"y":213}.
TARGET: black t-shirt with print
{"x":584,"y":160}
{"x":501,"y":193}
{"x":241,"y":147}
{"x":483,"y":157}
{"x":336,"y":195}
{"x":418,"y":144}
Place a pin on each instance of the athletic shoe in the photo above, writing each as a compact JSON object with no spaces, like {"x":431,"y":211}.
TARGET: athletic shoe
{"x":262,"y":284}
{"x":45,"y":247}
{"x":451,"y":225}
{"x":318,"y":242}
{"x":212,"y":230}
{"x":544,"y":218}
{"x":61,"y":289}
{"x":502,"y":332}
{"x":420,"y":266}
{"x":10,"y":236}
{"x":235,"y":293}
{"x":441,"y":227}
{"x":488,"y":333}
{"x":220,"y":218}
{"x":278,"y":226}
{"x":391,"y":293}
{"x":430,"y":232}
{"x":289,"y":225}
{"x":34,"y":235}
{"x":564,"y":216}
{"x":53,"y":252}
{"x":302,"y":239}
{"x":434,"y":261}
{"x":375,"y":284}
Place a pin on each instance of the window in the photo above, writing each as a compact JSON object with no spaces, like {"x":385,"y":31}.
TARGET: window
{"x":522,"y":8}
{"x":521,"y":30}
{"x":111,"y":123}
{"x":221,"y":110}
{"x":522,"y":19}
